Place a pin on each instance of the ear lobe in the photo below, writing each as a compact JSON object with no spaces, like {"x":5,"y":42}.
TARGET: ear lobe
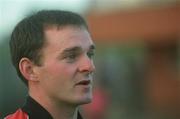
{"x":26,"y":68}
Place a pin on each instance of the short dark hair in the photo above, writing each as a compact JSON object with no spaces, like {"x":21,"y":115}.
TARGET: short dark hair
{"x":27,"y":38}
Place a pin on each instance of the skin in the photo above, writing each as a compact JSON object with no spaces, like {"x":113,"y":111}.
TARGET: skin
{"x":66,"y":62}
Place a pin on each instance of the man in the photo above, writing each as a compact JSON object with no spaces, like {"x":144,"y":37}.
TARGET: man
{"x":52,"y":52}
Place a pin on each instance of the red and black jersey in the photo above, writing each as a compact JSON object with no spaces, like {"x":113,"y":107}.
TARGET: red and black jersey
{"x":19,"y":114}
{"x":32,"y":110}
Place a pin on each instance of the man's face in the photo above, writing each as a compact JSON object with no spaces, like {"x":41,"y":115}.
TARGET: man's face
{"x":67,"y":65}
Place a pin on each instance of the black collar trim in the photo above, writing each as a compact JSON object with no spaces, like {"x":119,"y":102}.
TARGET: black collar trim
{"x":36,"y":111}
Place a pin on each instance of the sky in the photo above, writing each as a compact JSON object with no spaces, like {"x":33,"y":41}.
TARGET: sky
{"x":12,"y":11}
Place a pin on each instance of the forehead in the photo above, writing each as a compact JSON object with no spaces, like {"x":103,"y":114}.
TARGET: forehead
{"x":69,"y":36}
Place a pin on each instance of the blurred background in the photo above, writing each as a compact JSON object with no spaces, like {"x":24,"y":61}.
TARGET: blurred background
{"x":137,"y":56}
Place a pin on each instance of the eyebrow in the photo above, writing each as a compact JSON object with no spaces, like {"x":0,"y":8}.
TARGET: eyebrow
{"x":92,"y":47}
{"x":76,"y":49}
{"x":72,"y":49}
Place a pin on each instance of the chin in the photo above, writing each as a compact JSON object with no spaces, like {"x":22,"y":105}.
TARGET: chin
{"x":85,"y":100}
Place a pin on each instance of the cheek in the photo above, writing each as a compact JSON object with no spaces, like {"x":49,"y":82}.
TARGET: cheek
{"x":60,"y":78}
{"x":61,"y":71}
{"x":55,"y":78}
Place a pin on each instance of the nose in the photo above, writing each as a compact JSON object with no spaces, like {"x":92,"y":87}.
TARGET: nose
{"x":86,"y":65}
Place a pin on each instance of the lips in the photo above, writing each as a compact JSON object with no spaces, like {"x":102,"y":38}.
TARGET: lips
{"x":84,"y":82}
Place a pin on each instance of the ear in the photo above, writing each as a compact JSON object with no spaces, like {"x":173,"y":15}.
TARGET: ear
{"x":26,"y":67}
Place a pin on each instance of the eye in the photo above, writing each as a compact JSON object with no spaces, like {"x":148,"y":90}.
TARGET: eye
{"x":90,"y":54}
{"x":71,"y":57}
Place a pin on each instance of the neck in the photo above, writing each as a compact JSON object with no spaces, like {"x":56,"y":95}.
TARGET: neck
{"x":56,"y":108}
{"x":63,"y":113}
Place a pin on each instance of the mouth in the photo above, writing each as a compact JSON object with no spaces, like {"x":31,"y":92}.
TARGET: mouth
{"x":84,"y":82}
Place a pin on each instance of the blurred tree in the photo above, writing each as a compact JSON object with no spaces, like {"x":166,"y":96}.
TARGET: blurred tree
{"x":12,"y":90}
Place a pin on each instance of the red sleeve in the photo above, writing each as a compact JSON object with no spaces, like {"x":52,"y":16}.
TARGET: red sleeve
{"x":19,"y":114}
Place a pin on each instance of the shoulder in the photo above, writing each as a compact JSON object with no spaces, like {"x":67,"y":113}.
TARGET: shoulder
{"x":19,"y":114}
